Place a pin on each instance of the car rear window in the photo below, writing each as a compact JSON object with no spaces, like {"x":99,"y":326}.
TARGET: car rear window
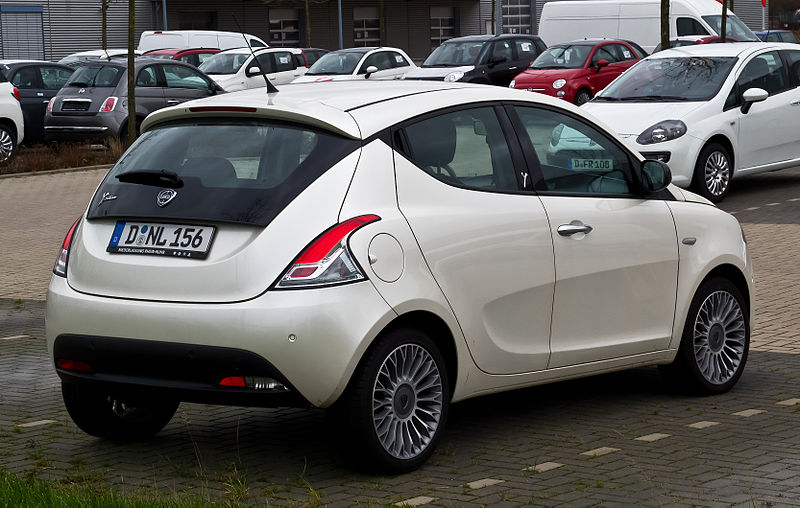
{"x":240,"y":172}
{"x":101,"y":76}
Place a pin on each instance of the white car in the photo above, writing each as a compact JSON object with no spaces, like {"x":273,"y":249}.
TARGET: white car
{"x":713,"y":111}
{"x":383,"y":250}
{"x":359,"y":63}
{"x":241,"y":68}
{"x":12,"y":123}
{"x":77,"y":59}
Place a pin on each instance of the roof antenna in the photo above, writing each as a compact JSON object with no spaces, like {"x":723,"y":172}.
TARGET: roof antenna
{"x":270,"y":87}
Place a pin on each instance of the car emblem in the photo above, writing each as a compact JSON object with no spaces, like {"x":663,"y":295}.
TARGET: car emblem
{"x":82,"y":90}
{"x":107,"y":196}
{"x":165,"y":196}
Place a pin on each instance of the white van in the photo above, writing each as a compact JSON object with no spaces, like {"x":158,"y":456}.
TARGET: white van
{"x":635,"y":20}
{"x":160,"y":39}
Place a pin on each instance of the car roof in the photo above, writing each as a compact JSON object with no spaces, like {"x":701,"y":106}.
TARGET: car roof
{"x":488,"y":37}
{"x":590,"y":42}
{"x":728,"y":49}
{"x":246,"y":51}
{"x":356,"y":110}
{"x":26,"y":62}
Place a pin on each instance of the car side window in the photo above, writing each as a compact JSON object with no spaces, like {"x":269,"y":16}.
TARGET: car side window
{"x":147,"y":77}
{"x":690,"y":26}
{"x":624,"y":52}
{"x":54,"y":78}
{"x":265,"y":62}
{"x":380,"y":60}
{"x":284,"y":61}
{"x":25,"y":78}
{"x":604,"y":53}
{"x":793,"y":66}
{"x":526,"y":50}
{"x":639,"y":51}
{"x":763,"y":71}
{"x":575,"y":158}
{"x":398,"y":60}
{"x":789,"y":37}
{"x":180,"y":76}
{"x":773,"y":37}
{"x":468,"y":150}
{"x":501,"y":50}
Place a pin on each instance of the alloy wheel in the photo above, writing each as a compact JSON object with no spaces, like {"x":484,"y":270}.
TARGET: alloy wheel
{"x":719,"y":337}
{"x":717,"y":173}
{"x":6,"y":145}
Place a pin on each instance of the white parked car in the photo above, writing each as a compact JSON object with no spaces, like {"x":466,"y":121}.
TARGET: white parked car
{"x":241,"y":68}
{"x":359,"y":63}
{"x":12,"y":123}
{"x":713,"y":111}
{"x":77,"y":59}
{"x":383,"y":250}
{"x":163,"y":39}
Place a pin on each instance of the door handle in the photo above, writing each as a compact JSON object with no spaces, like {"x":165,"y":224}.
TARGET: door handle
{"x":173,"y":101}
{"x":795,"y":102}
{"x":573,"y":228}
{"x":46,"y":101}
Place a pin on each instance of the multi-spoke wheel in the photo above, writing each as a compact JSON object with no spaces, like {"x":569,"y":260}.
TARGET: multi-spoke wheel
{"x":713,"y":172}
{"x":396,"y":406}
{"x":716,"y":339}
{"x":104,"y":414}
{"x":8,"y":144}
{"x":582,"y":97}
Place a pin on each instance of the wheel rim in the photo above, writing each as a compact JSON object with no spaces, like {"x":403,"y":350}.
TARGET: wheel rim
{"x":6,"y":145}
{"x":717,"y":173}
{"x":407,"y":401}
{"x":719,"y":337}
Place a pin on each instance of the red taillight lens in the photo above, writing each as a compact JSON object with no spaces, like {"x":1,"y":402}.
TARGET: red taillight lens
{"x":15,"y":93}
{"x":327,"y":260}
{"x":50,"y":104}
{"x":74,"y":365}
{"x":60,"y":268}
{"x":109,"y":105}
{"x":237,"y":381}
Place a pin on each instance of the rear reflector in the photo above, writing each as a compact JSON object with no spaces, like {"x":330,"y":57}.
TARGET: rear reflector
{"x":74,"y":365}
{"x":237,"y":381}
{"x":15,"y":93}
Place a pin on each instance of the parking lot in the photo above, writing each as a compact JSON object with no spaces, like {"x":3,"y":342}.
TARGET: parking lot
{"x":624,"y":438}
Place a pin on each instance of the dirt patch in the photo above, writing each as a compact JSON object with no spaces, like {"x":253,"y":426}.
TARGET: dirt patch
{"x":62,"y":155}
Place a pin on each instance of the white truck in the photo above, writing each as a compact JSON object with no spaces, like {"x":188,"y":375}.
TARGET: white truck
{"x":635,"y":20}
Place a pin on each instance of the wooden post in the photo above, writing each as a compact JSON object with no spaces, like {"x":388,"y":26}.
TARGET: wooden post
{"x":131,"y":72}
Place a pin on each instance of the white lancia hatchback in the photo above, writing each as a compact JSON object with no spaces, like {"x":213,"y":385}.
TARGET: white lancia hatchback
{"x":384,"y":250}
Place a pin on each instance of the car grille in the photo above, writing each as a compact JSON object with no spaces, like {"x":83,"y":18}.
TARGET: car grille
{"x":76,"y":105}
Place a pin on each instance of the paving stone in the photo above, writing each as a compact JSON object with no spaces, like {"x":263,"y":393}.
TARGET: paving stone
{"x":749,"y":412}
{"x":599,"y":452}
{"x":486,"y":482}
{"x":543,"y":467}
{"x":702,"y":425}
{"x":649,"y":438}
{"x":416,"y":501}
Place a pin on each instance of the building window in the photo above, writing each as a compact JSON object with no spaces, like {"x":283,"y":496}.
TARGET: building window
{"x":284,"y":27}
{"x":22,"y":32}
{"x":443,"y":25}
{"x":197,"y":20}
{"x":516,"y":16}
{"x":366,"y":26}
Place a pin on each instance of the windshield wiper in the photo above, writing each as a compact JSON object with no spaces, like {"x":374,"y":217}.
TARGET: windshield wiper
{"x":602,"y":98}
{"x":155,"y":177}
{"x":659,"y":98}
{"x":77,"y":83}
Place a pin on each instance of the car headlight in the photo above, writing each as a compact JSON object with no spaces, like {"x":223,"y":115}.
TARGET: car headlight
{"x":559,"y":83}
{"x":511,"y":85}
{"x":454,"y":76}
{"x":662,"y":131}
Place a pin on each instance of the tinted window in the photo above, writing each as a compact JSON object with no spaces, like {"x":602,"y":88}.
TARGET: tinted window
{"x":224,"y":63}
{"x":54,"y":78}
{"x":605,"y":53}
{"x":381,"y":60}
{"x":244,"y":172}
{"x":103,"y":76}
{"x":147,"y":77}
{"x":469,"y":149}
{"x":773,"y":37}
{"x":764,"y":71}
{"x":179,"y":76}
{"x":398,"y":60}
{"x":574,"y":157}
{"x":283,"y":61}
{"x":526,"y":49}
{"x":640,"y":52}
{"x":25,"y":78}
{"x":501,"y":50}
{"x":789,"y":37}
{"x":793,"y":58}
{"x":624,"y":52}
{"x":690,"y":26}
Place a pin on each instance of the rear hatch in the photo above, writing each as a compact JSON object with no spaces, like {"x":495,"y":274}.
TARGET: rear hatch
{"x":210,"y":210}
{"x":87,"y":89}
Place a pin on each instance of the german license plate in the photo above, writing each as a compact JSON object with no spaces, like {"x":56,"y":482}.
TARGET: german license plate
{"x":155,"y":239}
{"x":579,"y":164}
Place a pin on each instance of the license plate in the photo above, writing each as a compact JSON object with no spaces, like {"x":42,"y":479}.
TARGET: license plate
{"x":154,"y":239}
{"x":606,"y":164}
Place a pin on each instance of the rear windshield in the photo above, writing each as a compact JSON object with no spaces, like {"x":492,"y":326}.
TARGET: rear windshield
{"x":103,"y":76}
{"x":240,"y":172}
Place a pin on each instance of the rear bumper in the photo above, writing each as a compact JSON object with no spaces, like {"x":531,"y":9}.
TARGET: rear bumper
{"x":79,"y":127}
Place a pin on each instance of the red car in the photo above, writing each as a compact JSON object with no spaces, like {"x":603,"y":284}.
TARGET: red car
{"x":194,"y":56}
{"x":576,"y":71}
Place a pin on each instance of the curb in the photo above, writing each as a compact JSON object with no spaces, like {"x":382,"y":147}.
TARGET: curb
{"x":56,"y":171}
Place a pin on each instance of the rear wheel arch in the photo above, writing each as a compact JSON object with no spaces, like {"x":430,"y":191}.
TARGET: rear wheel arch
{"x":9,"y":124}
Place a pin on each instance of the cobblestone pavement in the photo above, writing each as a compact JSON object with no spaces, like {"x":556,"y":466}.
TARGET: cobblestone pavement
{"x":624,"y":438}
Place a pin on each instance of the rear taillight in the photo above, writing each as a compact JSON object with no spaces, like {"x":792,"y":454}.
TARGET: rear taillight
{"x":15,"y":93}
{"x":327,"y":260}
{"x":60,"y":268}
{"x":74,"y":365}
{"x":50,"y":104}
{"x":109,"y":105}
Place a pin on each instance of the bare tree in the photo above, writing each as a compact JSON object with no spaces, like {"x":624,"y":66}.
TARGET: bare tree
{"x":723,"y":30}
{"x":104,"y":10}
{"x":131,"y":74}
{"x":494,"y":5}
{"x":665,"y":24}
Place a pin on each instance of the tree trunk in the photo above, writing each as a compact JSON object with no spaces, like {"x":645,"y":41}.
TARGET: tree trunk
{"x":104,"y":11}
{"x":131,"y":73}
{"x":723,"y":30}
{"x":665,"y":24}
{"x":494,"y":30}
{"x":382,"y":21}
{"x":308,"y":25}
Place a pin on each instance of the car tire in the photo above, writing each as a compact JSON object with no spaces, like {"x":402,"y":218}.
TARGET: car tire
{"x":123,"y":132}
{"x":713,"y":173}
{"x":582,"y":97}
{"x":401,"y":384}
{"x":102,"y":414}
{"x":8,"y":144}
{"x":715,"y":341}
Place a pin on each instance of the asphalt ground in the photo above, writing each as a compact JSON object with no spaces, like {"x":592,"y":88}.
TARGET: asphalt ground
{"x":618,"y":439}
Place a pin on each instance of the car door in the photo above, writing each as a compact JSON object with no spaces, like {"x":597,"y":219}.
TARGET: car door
{"x":279,"y":67}
{"x":527,"y":51}
{"x":184,"y":83}
{"x":765,"y":135}
{"x":382,"y":61}
{"x":53,"y":78}
{"x":502,"y":65}
{"x":400,"y":64}
{"x":149,"y":90}
{"x":599,"y":78}
{"x":487,"y":245}
{"x":616,"y":251}
{"x":32,"y":100}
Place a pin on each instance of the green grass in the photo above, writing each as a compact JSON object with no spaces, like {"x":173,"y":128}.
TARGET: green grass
{"x":32,"y":493}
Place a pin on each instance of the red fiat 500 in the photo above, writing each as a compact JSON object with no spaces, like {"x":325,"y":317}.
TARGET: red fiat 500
{"x":576,"y":71}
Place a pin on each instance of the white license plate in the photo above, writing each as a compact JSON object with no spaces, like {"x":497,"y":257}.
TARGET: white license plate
{"x":605,"y":164}
{"x":154,"y":239}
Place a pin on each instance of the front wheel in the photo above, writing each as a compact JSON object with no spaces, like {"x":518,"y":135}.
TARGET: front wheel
{"x":395,"y":409}
{"x":120,"y":418}
{"x":713,"y":172}
{"x":716,"y":340}
{"x":582,"y":97}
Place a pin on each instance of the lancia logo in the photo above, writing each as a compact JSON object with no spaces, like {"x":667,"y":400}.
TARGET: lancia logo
{"x":107,"y":196}
{"x":165,"y":196}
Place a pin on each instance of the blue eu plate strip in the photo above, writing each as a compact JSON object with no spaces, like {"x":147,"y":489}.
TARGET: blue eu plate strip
{"x":117,"y":234}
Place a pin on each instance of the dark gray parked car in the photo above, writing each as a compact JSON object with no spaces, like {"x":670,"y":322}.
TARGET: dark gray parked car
{"x":93,"y":104}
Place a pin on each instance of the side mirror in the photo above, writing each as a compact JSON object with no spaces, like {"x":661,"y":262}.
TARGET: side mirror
{"x":655,"y":176}
{"x":370,"y":71}
{"x":751,"y":96}
{"x":600,"y":64}
{"x":253,"y":70}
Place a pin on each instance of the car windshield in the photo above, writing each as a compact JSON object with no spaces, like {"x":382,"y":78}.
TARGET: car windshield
{"x":163,"y":56}
{"x":563,"y":57}
{"x":102,"y":76}
{"x":336,"y":63}
{"x":670,"y":79}
{"x":454,"y":54}
{"x":733,"y":25}
{"x":224,"y":63}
